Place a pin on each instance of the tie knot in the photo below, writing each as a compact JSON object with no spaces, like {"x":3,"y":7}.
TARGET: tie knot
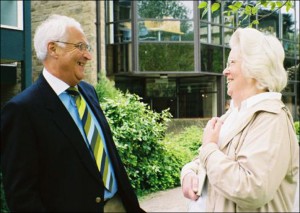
{"x":73,"y":91}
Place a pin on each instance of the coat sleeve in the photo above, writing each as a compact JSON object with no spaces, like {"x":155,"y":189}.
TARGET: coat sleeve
{"x":19,"y":162}
{"x":252,"y":177}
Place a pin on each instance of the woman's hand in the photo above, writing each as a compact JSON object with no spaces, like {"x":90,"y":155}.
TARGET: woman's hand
{"x":190,"y":186}
{"x":212,"y":131}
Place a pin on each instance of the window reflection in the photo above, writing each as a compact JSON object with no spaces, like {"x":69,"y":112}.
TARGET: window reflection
{"x":211,"y":58}
{"x":118,"y":10}
{"x":227,"y":35}
{"x":197,"y":97}
{"x":119,"y":58}
{"x":210,"y":33}
{"x":291,"y":69}
{"x":270,"y":24}
{"x":288,"y":24}
{"x":167,"y":57}
{"x":216,"y":35}
{"x":166,"y":30}
{"x":203,"y":32}
{"x":289,"y":48}
{"x":159,"y":8}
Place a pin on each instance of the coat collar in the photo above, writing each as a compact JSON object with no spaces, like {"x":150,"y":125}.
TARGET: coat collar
{"x":271,"y":106}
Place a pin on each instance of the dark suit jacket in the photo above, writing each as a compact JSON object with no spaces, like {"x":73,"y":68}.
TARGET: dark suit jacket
{"x":45,"y":163}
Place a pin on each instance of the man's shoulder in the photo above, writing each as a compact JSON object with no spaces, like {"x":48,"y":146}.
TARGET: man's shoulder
{"x":86,"y":87}
{"x":32,"y":94}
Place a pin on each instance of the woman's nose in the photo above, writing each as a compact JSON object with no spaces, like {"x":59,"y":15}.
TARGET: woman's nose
{"x":226,"y":71}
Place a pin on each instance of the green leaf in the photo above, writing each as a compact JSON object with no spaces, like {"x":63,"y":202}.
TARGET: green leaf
{"x":255,"y":22}
{"x":238,"y":4}
{"x":264,"y":3}
{"x":279,"y":4}
{"x":273,"y":5}
{"x":288,"y":6}
{"x":202,"y":5}
{"x":215,"y":7}
{"x":233,"y":8}
{"x":204,"y":13}
{"x":254,"y":10}
{"x":248,"y":10}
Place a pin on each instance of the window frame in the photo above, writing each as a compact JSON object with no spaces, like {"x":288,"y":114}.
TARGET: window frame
{"x":20,"y":18}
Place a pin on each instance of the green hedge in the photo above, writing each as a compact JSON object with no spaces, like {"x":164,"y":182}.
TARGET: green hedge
{"x":138,"y":133}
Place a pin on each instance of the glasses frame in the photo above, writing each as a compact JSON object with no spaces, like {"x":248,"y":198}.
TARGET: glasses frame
{"x":81,"y":46}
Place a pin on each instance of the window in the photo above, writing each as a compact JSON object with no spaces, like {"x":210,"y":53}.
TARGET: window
{"x":166,"y":57}
{"x":12,"y":14}
{"x":211,"y":58}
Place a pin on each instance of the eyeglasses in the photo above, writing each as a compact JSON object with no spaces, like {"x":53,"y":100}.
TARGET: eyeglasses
{"x":230,"y":62}
{"x":81,"y":46}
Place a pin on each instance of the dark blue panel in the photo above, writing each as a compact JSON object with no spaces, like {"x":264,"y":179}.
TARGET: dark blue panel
{"x":12,"y":46}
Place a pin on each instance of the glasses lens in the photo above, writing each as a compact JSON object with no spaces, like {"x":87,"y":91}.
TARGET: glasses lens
{"x":88,"y":47}
{"x":83,"y":47}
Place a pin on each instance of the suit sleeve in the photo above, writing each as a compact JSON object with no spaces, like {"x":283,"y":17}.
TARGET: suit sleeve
{"x":19,"y":159}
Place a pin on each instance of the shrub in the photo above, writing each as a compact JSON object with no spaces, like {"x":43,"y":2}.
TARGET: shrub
{"x":184,"y":145}
{"x":137,"y":132}
{"x":297,"y":127}
{"x":297,"y":130}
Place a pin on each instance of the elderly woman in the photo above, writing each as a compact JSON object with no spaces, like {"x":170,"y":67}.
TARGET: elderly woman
{"x":249,"y":158}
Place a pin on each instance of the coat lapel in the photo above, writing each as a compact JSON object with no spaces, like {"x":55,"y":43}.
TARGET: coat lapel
{"x":66,"y":124}
{"x":267,"y":105}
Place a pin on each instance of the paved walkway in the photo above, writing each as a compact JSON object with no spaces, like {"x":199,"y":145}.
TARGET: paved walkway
{"x":171,"y":200}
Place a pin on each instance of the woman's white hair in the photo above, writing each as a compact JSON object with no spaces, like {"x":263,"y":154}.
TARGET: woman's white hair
{"x":53,"y":28}
{"x":262,"y":58}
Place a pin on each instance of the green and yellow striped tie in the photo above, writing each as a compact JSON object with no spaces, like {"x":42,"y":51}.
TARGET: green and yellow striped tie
{"x":93,"y":137}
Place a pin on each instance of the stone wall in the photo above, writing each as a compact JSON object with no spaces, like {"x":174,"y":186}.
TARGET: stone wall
{"x":179,"y":124}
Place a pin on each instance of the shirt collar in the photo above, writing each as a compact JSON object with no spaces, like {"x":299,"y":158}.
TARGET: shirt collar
{"x":56,"y":84}
{"x":258,"y":98}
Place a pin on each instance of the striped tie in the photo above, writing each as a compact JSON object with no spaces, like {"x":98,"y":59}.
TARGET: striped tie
{"x":93,"y":137}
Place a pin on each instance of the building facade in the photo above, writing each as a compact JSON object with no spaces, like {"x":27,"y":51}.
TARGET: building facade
{"x":171,"y":53}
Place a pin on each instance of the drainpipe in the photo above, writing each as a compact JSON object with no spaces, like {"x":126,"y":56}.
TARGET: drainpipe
{"x":98,"y":39}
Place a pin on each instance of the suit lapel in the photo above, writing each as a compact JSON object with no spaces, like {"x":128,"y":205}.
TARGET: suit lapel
{"x":66,"y":124}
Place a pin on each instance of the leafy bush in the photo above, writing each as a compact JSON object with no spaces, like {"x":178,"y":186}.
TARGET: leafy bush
{"x":186,"y":144}
{"x":297,"y":127}
{"x":297,"y":130}
{"x":138,"y":132}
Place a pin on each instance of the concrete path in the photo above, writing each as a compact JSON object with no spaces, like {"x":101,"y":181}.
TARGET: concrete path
{"x":171,"y":200}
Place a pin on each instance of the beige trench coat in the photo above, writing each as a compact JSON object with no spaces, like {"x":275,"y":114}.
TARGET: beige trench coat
{"x":256,"y":167}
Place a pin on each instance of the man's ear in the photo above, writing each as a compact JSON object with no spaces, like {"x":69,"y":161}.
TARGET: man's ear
{"x":52,"y":49}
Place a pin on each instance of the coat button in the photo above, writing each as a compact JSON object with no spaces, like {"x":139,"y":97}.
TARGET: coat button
{"x":98,"y":199}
